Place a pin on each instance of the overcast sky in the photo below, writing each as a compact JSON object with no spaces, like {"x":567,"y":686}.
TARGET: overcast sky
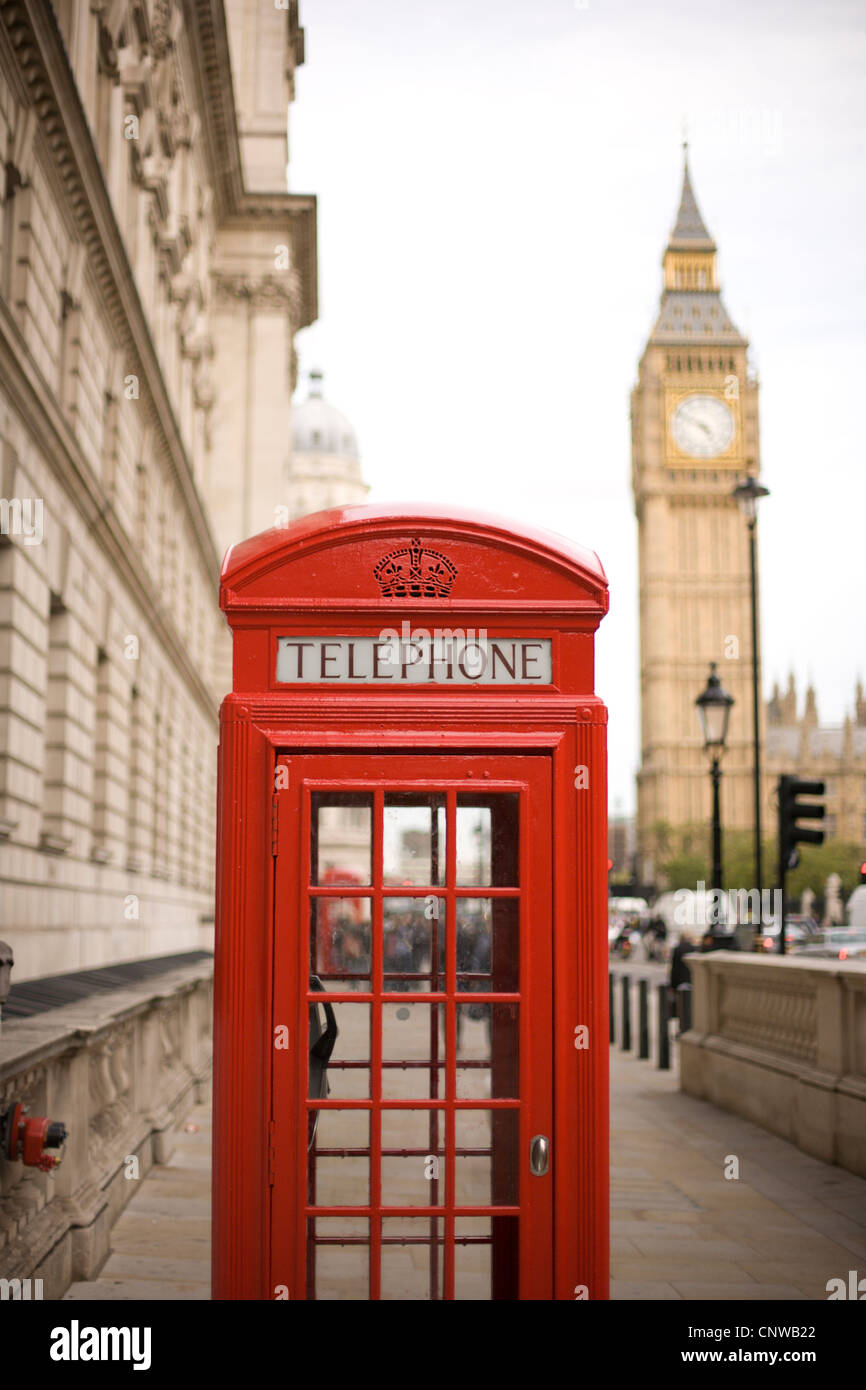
{"x":497,"y":180}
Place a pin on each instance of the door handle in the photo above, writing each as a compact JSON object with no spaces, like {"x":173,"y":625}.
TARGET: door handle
{"x":539,"y":1155}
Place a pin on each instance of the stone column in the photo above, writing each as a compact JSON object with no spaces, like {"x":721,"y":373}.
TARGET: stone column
{"x":252,"y":331}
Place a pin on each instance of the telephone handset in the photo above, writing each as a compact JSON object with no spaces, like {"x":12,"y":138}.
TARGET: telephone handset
{"x":322,"y":1042}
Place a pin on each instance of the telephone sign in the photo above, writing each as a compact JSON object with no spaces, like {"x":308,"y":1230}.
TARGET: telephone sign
{"x":410,"y":1096}
{"x":450,"y":660}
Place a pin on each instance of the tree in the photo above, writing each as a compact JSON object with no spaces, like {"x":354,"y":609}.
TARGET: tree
{"x":686,"y":863}
{"x":818,"y":862}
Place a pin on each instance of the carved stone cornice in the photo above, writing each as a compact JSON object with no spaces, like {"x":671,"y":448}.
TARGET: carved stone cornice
{"x":206,"y":22}
{"x":154,"y":177}
{"x":293,"y":216}
{"x":160,"y":28}
{"x":177,"y":128}
{"x":174,"y":243}
{"x":45,"y":73}
{"x":135,"y":78}
{"x":279,"y":290}
{"x":107,"y":51}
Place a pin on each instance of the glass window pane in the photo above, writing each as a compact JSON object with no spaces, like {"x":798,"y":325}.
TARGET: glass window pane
{"x":486,"y":1162}
{"x":413,"y":1258}
{"x":341,"y":839}
{"x":413,"y":1051}
{"x":413,"y":840}
{"x":338,"y":1258}
{"x":487,"y":1051}
{"x":338,"y":1163}
{"x":473,"y":845}
{"x":413,"y":1172}
{"x":346,"y":1072}
{"x":488,"y":946}
{"x":340,"y":936}
{"x":487,"y":839}
{"x":414,"y":939}
{"x":486,"y":1258}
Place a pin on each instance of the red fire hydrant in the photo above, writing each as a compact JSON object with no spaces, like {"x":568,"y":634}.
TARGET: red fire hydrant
{"x":27,"y":1137}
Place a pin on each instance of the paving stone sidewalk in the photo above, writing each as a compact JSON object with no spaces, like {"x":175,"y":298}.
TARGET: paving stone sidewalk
{"x":160,"y":1247}
{"x":679,"y":1228}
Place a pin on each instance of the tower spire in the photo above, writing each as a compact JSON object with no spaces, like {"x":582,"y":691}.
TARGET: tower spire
{"x":691,"y":307}
{"x":690,"y":232}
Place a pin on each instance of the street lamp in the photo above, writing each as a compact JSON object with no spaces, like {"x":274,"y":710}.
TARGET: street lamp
{"x":747,"y":494}
{"x":714,"y":710}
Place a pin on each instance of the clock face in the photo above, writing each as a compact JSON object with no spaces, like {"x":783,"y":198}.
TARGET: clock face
{"x":703,"y":426}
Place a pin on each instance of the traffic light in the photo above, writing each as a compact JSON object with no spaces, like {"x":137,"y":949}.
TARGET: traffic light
{"x":792,"y":810}
{"x":863,"y":872}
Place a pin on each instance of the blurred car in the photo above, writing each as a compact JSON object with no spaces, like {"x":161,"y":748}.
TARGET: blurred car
{"x":627,"y":907}
{"x":624,"y":940}
{"x":717,"y":939}
{"x":837,"y":943}
{"x":799,"y":932}
{"x":624,"y":918}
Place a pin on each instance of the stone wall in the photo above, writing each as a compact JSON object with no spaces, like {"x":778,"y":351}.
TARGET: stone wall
{"x":121,"y":1070}
{"x":782,"y":1041}
{"x":148,"y":301}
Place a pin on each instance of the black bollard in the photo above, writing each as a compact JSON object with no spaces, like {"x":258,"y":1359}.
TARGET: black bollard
{"x":643,"y":1019}
{"x":626,"y":1015}
{"x":664,"y":1061}
{"x":684,"y":1007}
{"x":612,"y":1030}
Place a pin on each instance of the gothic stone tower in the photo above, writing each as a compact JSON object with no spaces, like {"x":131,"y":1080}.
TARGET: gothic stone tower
{"x":694,"y":414}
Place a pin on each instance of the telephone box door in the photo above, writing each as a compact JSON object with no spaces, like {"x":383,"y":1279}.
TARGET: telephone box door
{"x":412,"y":1150}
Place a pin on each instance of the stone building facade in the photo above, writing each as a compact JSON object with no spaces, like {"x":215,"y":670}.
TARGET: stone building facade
{"x":153,"y":272}
{"x":325,"y":466}
{"x":694,"y":415}
{"x":836,"y":754}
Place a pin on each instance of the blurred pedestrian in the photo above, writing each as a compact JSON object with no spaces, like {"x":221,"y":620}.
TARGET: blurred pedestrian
{"x":680,"y":972}
{"x":656,"y":935}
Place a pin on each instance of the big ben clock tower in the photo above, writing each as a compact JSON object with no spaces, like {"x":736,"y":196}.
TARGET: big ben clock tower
{"x":694,"y":414}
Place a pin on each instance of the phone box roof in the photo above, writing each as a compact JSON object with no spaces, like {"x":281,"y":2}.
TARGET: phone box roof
{"x":447,"y":559}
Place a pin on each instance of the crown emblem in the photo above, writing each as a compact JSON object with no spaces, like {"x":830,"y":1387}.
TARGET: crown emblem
{"x":414,"y":571}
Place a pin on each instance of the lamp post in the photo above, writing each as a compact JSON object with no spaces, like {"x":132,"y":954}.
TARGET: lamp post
{"x":714,"y":710}
{"x":747,"y":495}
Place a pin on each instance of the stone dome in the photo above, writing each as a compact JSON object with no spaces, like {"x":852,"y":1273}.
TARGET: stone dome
{"x":319,"y":427}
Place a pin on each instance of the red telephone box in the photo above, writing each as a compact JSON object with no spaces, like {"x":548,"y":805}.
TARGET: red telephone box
{"x":411,"y":957}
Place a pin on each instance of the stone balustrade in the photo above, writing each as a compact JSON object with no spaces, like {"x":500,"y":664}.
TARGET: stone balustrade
{"x":121,"y":1070}
{"x":782,"y":1041}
